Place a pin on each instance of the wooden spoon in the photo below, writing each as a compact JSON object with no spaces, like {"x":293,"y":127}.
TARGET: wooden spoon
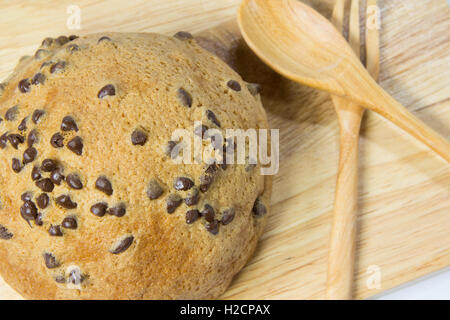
{"x":301,"y":44}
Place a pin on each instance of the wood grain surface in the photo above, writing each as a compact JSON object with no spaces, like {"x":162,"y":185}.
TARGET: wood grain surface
{"x":404,"y":191}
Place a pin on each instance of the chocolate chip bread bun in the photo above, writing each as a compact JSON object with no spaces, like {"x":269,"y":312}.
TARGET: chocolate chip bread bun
{"x":93,"y":204}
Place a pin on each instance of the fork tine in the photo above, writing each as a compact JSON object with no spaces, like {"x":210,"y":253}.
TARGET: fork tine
{"x":373,"y":44}
{"x":354,"y":30}
{"x":337,"y":17}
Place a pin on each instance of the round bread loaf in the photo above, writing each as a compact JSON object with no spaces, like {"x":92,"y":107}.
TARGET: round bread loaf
{"x":92,"y":202}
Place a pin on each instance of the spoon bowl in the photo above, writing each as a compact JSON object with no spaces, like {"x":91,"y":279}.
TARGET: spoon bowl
{"x":299,"y":43}
{"x":302,"y":45}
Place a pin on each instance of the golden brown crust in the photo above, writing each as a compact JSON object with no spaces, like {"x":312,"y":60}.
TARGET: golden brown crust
{"x":167,"y":258}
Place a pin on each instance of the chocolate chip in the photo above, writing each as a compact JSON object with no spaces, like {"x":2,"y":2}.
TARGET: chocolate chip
{"x":200,"y":131}
{"x":259,"y":209}
{"x":50,"y":261}
{"x":4,"y":233}
{"x":138,"y":137}
{"x":23,"y":124}
{"x":11,"y":113}
{"x":254,"y":88}
{"x":45,"y":185}
{"x":76,"y":146}
{"x":62,"y":40}
{"x":183,"y":183}
{"x":118,"y":211}
{"x":104,"y":38}
{"x":46,"y":64}
{"x":69,"y":124}
{"x":66,"y":202}
{"x":227,"y":215}
{"x":184,"y":97}
{"x":104,"y":185}
{"x":38,"y":220}
{"x":37,"y":114}
{"x":234,"y":85}
{"x":57,"y":140}
{"x":72,"y":48}
{"x":75,"y":277}
{"x":192,"y":197}
{"x":223,"y":165}
{"x":99,"y":209}
{"x":205,"y":182}
{"x":35,"y":174}
{"x":122,"y":245}
{"x":173,"y":201}
{"x":43,"y":200}
{"x":57,"y":176}
{"x":58,"y":67}
{"x":29,"y":155}
{"x":26,"y":196}
{"x":38,"y":78}
{"x":73,"y":37}
{"x":28,"y":210}
{"x":183,"y":35}
{"x":69,"y":223}
{"x":212,"y":168}
{"x":170,"y":149}
{"x":2,"y":88}
{"x":216,"y":141}
{"x":213,"y":226}
{"x":55,"y":231}
{"x":192,"y":216}
{"x":16,"y":139}
{"x":211,"y":116}
{"x":4,"y":140}
{"x":41,"y":53}
{"x":47,"y":42}
{"x":32,"y":138}
{"x":208,"y":213}
{"x":48,"y":165}
{"x":154,"y":190}
{"x":108,"y":90}
{"x":170,"y":145}
{"x":74,"y":181}
{"x":60,"y":279}
{"x":16,"y":165}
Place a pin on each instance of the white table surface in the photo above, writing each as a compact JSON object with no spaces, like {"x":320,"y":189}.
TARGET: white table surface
{"x":435,"y":286}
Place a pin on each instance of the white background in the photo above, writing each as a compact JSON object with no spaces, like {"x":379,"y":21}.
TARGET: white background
{"x":434,"y":286}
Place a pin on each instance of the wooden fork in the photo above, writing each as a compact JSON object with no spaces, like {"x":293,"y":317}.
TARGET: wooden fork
{"x":342,"y":241}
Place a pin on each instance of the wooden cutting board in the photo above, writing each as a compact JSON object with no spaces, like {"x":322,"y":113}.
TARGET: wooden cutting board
{"x":404,"y":194}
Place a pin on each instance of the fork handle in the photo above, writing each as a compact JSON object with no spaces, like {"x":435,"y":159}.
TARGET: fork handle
{"x":341,"y":256}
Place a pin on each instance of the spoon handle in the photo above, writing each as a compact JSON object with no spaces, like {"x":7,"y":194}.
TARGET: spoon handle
{"x":343,"y":233}
{"x":372,"y":96}
{"x":392,"y":110}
